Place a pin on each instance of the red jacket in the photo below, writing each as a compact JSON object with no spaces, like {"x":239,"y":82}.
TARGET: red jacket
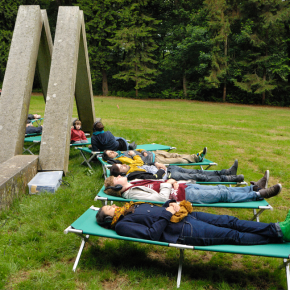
{"x":77,"y":135}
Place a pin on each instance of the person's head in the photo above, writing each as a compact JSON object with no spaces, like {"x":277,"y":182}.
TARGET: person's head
{"x":105,"y":215}
{"x":115,"y":185}
{"x":109,"y":154}
{"x":36,"y":116}
{"x":28,"y":123}
{"x":77,"y":124}
{"x":98,"y":126}
{"x":119,"y":169}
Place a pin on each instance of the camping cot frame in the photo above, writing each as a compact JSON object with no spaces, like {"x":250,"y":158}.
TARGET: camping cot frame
{"x":258,"y":207}
{"x":86,"y":225}
{"x":88,"y":154}
{"x":36,"y":139}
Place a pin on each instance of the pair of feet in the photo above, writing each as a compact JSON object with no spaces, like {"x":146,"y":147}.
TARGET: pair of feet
{"x":200,"y":155}
{"x":261,"y":187}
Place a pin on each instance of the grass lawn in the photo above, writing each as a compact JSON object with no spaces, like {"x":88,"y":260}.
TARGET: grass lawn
{"x":35,"y":254}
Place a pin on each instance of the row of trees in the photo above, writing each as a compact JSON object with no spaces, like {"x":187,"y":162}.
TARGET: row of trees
{"x":217,"y":50}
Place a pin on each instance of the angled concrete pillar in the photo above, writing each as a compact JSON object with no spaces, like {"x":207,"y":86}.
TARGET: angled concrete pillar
{"x":18,"y":80}
{"x":84,"y":91}
{"x":44,"y":54}
{"x":54,"y":148}
{"x":69,"y":75}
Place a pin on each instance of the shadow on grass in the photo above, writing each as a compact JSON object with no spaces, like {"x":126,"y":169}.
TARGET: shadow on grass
{"x":122,"y":257}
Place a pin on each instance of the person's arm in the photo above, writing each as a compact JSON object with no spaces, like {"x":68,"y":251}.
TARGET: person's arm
{"x":136,"y":230}
{"x":135,"y":161}
{"x":83,"y":136}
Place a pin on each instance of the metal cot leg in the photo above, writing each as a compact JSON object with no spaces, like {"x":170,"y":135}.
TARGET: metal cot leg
{"x":84,"y":239}
{"x":180,"y":267}
{"x":287,"y":272}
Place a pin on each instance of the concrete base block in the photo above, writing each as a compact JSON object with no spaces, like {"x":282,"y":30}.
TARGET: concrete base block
{"x":15,"y":174}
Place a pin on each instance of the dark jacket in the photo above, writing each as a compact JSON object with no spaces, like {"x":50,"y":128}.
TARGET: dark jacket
{"x":150,"y":222}
{"x":104,"y":141}
{"x":145,"y":175}
{"x":31,"y":130}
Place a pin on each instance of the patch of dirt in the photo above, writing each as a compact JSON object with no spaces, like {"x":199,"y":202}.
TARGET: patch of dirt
{"x":116,"y":284}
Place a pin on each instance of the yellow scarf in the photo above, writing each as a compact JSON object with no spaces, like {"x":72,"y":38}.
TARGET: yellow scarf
{"x":185,"y":208}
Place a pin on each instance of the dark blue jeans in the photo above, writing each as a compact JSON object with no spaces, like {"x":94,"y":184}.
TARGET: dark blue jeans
{"x":179,"y":173}
{"x":205,"y":229}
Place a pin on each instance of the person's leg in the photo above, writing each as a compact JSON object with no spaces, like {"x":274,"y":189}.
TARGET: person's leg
{"x":171,"y":158}
{"x":83,"y":141}
{"x":116,"y":138}
{"x":208,"y":229}
{"x":179,"y":173}
{"x":197,"y":193}
{"x":78,"y":142}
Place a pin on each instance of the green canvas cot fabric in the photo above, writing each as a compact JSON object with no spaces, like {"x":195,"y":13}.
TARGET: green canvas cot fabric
{"x":87,"y":223}
{"x":37,"y":139}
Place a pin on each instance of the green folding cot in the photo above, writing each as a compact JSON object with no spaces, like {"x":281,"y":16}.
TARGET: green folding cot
{"x":37,"y":139}
{"x":88,"y":154}
{"x":37,"y":121}
{"x":86,"y":226}
{"x":257,"y":206}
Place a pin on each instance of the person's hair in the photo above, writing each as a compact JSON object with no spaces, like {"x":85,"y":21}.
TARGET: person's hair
{"x":115,"y":170}
{"x":102,"y":219}
{"x":110,"y":191}
{"x":105,"y":156}
{"x":98,"y":126}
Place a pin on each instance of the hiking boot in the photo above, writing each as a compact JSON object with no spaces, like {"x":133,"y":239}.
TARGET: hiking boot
{"x":233,"y":178}
{"x":232,"y":170}
{"x":132,"y":146}
{"x":263,"y":182}
{"x":201,"y":154}
{"x":285,"y":228}
{"x":271,"y":191}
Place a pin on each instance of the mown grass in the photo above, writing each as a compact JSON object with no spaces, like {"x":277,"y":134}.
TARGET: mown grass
{"x":35,"y":254}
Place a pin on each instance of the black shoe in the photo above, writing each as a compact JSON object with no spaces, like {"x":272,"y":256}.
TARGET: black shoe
{"x":263,"y":182}
{"x":271,"y":191}
{"x":232,"y":170}
{"x":132,"y":146}
{"x":234,"y":178}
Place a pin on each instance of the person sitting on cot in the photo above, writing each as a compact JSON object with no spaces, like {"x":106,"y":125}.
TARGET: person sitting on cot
{"x":160,"y":171}
{"x":102,"y":140}
{"x":173,"y":223}
{"x":140,"y":156}
{"x":33,"y":116}
{"x":30,"y":129}
{"x":77,"y":136}
{"x":160,"y":190}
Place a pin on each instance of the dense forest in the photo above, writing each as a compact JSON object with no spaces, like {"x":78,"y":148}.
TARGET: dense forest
{"x":211,"y":50}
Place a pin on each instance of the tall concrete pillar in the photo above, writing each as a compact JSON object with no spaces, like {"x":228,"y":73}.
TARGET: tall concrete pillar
{"x":84,"y":91}
{"x":55,"y":143}
{"x":18,"y":80}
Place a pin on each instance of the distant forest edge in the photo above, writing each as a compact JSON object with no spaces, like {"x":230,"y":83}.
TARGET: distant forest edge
{"x":211,"y":50}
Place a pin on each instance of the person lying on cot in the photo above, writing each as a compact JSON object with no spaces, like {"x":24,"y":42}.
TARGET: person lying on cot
{"x":77,"y":136}
{"x":173,"y":223}
{"x":30,"y":129}
{"x":140,"y":156}
{"x":160,"y":190}
{"x":160,"y":171}
{"x":33,"y":116}
{"x":102,"y":140}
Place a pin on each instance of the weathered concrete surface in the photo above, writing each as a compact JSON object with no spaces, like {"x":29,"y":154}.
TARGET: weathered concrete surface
{"x":15,"y":174}
{"x":55,"y":144}
{"x":18,"y":80}
{"x":44,"y":54}
{"x":83,"y":90}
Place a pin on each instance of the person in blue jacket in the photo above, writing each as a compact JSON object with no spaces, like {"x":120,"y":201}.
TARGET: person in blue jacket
{"x":102,"y":140}
{"x":151,"y":222}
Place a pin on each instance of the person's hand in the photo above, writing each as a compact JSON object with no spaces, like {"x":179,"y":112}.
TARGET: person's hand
{"x":160,"y":166}
{"x":131,"y":152}
{"x":175,"y":206}
{"x":171,"y":209}
{"x":171,"y":181}
{"x":175,"y":185}
{"x":72,"y":127}
{"x":145,"y":154}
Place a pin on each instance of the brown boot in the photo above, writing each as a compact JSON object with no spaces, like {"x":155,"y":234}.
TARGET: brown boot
{"x":263,"y":182}
{"x":271,"y":191}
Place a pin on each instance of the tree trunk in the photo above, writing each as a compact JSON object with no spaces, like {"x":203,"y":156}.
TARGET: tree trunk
{"x":225,"y":83}
{"x":184,"y":86}
{"x":287,"y":24}
{"x":105,"y":83}
{"x":264,"y":93}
